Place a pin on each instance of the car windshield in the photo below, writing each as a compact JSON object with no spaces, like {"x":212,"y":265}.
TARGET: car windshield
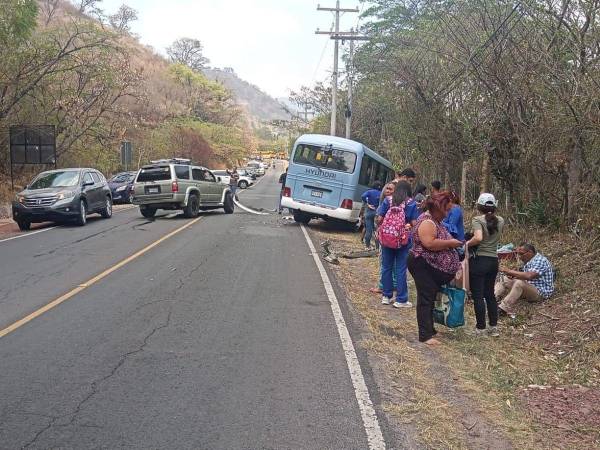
{"x":67,"y":178}
{"x":326,"y":157}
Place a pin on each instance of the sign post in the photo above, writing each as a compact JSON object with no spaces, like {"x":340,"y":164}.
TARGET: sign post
{"x":126,"y":154}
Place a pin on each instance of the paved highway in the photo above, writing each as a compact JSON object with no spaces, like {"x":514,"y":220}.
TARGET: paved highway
{"x":212,"y":333}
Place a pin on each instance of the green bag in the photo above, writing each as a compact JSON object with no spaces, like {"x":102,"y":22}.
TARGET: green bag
{"x":449,"y":308}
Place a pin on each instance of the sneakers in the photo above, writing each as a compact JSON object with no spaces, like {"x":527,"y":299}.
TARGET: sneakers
{"x":386,"y":301}
{"x":480,"y":333}
{"x":493,"y":331}
{"x":402,"y":305}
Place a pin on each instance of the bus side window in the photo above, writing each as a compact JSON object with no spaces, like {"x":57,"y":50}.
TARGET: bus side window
{"x":365,"y":171}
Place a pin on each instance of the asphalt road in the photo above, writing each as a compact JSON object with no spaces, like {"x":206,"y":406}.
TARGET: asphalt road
{"x":219,"y":337}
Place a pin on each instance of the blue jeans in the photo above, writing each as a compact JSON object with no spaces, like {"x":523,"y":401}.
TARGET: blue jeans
{"x":232,"y":188}
{"x":381,"y":272}
{"x":395,"y":260}
{"x":369,"y":225}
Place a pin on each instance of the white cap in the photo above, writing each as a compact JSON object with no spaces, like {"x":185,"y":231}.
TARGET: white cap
{"x":486,"y":199}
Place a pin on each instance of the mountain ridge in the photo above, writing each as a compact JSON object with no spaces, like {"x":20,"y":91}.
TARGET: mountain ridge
{"x":260,"y":106}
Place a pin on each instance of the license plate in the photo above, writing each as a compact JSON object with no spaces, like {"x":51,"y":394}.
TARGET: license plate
{"x":153,"y":190}
{"x":318,"y":194}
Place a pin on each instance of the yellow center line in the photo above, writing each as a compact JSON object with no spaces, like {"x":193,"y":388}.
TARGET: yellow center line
{"x":91,"y":281}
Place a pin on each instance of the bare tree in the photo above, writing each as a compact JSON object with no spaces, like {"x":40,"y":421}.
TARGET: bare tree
{"x":188,"y":51}
{"x":89,"y":7}
{"x":121,"y":20}
{"x":48,"y":9}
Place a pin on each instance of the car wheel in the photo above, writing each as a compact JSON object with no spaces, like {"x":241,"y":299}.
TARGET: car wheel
{"x":82,"y":219}
{"x":301,"y":217}
{"x":243,"y":184}
{"x":24,"y":225}
{"x":147,"y":211}
{"x":191,"y":210}
{"x":107,"y":211}
{"x":228,"y":204}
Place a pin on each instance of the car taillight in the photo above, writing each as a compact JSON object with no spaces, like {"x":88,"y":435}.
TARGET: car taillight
{"x":287,"y":192}
{"x":175,"y":186}
{"x":347,"y":204}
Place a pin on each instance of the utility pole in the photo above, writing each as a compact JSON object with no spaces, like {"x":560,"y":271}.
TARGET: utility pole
{"x":334,"y":82}
{"x":349,"y":76}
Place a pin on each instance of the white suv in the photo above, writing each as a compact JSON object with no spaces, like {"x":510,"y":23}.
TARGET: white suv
{"x":244,"y":181}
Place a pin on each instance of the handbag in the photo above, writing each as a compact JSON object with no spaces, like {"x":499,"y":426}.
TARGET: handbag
{"x":449,"y":307}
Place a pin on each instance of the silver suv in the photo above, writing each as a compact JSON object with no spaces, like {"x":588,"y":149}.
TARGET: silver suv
{"x":177,"y":184}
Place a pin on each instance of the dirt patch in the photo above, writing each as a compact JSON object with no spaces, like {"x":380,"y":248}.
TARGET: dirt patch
{"x":572,"y":410}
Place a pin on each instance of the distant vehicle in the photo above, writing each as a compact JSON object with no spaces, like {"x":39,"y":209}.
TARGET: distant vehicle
{"x":247,"y":172}
{"x":120,"y":186}
{"x":327,"y":176}
{"x":62,"y":195}
{"x":244,"y":182}
{"x":177,"y":184}
{"x":256,"y":166}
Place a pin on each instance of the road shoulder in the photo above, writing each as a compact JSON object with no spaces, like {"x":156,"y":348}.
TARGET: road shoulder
{"x":422,"y":403}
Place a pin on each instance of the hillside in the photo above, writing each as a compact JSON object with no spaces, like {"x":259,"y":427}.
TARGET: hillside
{"x":259,"y":105}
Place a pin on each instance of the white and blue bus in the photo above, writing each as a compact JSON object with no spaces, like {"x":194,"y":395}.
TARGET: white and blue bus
{"x":327,"y":176}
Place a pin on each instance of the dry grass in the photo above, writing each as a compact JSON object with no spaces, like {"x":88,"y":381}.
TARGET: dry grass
{"x":491,"y":374}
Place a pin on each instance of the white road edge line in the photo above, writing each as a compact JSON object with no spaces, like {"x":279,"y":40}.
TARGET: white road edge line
{"x":31,"y":233}
{"x":367,"y":411}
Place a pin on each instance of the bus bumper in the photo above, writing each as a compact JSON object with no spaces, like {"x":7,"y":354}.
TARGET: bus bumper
{"x":324,"y":212}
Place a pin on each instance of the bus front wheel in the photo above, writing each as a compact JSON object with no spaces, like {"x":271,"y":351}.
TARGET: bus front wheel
{"x":301,"y":217}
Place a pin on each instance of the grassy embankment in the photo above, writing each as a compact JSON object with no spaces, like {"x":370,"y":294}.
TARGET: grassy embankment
{"x":537,"y":386}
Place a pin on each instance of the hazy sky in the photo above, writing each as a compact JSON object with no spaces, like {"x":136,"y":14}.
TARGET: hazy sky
{"x":270,"y":43}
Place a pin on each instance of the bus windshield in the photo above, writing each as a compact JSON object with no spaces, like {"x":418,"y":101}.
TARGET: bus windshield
{"x":325,"y":157}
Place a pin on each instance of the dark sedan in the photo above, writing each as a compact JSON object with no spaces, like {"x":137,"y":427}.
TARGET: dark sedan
{"x":120,"y":186}
{"x":60,"y":195}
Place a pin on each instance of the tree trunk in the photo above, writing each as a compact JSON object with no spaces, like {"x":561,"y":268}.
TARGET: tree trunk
{"x":574,"y":178}
{"x":485,"y":173}
{"x":463,"y":183}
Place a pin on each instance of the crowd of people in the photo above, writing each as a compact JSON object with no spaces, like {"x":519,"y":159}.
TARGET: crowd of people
{"x":423,"y":233}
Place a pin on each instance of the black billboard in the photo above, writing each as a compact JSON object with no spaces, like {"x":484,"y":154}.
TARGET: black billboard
{"x":33,"y":144}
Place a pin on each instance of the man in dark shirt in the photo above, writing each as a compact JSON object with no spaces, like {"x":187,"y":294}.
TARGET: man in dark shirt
{"x":282,"y":179}
{"x":234,"y":178}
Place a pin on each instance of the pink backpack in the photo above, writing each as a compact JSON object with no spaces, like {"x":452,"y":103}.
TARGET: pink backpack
{"x":392,"y":231}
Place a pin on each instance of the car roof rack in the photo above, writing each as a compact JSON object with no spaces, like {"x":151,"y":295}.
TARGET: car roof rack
{"x":183,"y":161}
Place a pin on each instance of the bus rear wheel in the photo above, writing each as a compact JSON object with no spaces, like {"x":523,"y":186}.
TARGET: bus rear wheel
{"x":301,"y":217}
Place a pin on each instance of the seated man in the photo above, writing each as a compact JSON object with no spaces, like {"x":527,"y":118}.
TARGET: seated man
{"x":534,"y":282}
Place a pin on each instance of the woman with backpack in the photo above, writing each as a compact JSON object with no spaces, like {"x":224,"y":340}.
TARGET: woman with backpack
{"x":483,"y":267}
{"x":396,"y":215}
{"x":433,"y":260}
{"x":388,"y":190}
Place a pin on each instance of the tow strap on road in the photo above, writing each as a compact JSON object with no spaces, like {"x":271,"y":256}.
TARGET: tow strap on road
{"x":251,"y":211}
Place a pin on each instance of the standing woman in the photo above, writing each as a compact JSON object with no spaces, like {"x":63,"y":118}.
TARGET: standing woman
{"x":454,"y":222}
{"x":393,"y":260}
{"x":388,"y":190}
{"x":420,"y":194}
{"x":371,"y":199}
{"x":433,"y":260}
{"x":483,"y":268}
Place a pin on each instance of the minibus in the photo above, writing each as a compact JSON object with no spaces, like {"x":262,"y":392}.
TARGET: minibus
{"x":327,"y":176}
